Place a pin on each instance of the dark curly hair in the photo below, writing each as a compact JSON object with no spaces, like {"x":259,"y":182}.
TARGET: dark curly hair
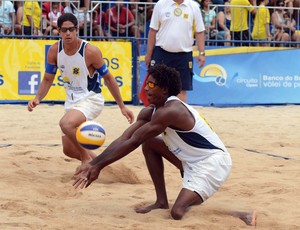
{"x":67,"y":17}
{"x":166,"y":77}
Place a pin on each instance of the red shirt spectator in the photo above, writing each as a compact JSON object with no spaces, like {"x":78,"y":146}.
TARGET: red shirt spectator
{"x":120,"y":20}
{"x":46,"y":8}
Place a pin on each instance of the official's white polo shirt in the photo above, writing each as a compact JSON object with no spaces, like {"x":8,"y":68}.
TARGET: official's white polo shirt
{"x":176,"y":24}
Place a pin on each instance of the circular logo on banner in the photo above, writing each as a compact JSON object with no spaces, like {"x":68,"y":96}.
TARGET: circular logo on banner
{"x":212,"y":73}
{"x":177,"y":11}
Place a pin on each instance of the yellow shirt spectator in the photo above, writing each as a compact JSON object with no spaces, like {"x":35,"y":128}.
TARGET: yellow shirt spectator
{"x":261,"y":22}
{"x":239,"y":15}
{"x":33,"y":10}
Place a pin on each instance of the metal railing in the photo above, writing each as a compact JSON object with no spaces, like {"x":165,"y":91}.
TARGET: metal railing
{"x":99,"y":22}
{"x":291,"y":39}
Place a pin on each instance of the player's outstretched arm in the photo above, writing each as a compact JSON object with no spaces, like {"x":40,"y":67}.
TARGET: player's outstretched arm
{"x":94,"y":56}
{"x":119,"y":148}
{"x":113,"y":87}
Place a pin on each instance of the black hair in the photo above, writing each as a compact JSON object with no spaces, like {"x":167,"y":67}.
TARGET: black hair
{"x":67,"y":17}
{"x":280,"y":2}
{"x":202,"y":4}
{"x":166,"y":77}
{"x":258,"y":2}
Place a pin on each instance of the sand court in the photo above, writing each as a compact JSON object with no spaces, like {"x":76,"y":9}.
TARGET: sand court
{"x":36,"y":178}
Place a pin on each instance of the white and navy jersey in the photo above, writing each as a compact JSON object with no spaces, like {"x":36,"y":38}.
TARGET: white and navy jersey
{"x":196,"y":144}
{"x":76,"y":77}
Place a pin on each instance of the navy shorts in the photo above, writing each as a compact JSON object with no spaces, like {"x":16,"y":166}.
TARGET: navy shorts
{"x":182,"y":62}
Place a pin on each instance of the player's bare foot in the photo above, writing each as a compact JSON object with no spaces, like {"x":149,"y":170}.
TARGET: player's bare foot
{"x":151,"y":207}
{"x":251,"y":218}
{"x":248,"y":217}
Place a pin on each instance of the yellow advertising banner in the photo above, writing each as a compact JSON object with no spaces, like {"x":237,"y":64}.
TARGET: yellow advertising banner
{"x":22,"y":66}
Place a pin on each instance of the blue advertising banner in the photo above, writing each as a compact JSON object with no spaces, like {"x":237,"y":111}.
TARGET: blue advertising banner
{"x":246,"y":78}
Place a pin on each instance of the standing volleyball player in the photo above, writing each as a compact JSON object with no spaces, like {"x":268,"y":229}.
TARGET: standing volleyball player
{"x":174,"y":26}
{"x":79,"y":63}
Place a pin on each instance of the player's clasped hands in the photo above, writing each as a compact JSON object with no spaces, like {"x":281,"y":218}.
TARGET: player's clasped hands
{"x":85,"y":175}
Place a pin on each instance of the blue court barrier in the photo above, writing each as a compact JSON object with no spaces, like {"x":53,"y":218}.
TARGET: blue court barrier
{"x":244,"y":76}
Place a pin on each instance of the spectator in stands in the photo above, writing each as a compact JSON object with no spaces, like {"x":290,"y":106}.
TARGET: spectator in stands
{"x":282,"y":30}
{"x":7,"y":17}
{"x":84,"y":5}
{"x":82,"y":15}
{"x":31,"y":18}
{"x":19,"y":17}
{"x":223,"y":23}
{"x":142,"y":13}
{"x":261,"y":27}
{"x":239,"y":20}
{"x":277,"y":22}
{"x":290,"y":23}
{"x":51,"y":20}
{"x":287,"y":3}
{"x":121,"y":23}
{"x":55,"y":12}
{"x":98,"y":23}
{"x":47,"y":7}
{"x":209,"y":19}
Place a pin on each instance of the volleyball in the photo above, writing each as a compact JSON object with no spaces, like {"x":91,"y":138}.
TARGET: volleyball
{"x":90,"y":135}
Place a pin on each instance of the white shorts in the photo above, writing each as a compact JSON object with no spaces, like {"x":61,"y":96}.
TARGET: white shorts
{"x":91,"y":107}
{"x":207,"y":176}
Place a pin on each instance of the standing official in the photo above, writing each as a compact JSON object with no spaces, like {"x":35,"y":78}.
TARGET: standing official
{"x":174,"y":26}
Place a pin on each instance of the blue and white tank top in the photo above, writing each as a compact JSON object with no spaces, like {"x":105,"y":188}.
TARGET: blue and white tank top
{"x":78,"y":82}
{"x":196,"y":144}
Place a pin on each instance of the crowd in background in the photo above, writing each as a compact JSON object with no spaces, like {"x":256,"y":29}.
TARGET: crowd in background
{"x":258,"y":22}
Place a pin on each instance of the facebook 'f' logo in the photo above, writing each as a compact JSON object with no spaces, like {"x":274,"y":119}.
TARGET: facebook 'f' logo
{"x":29,"y":82}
